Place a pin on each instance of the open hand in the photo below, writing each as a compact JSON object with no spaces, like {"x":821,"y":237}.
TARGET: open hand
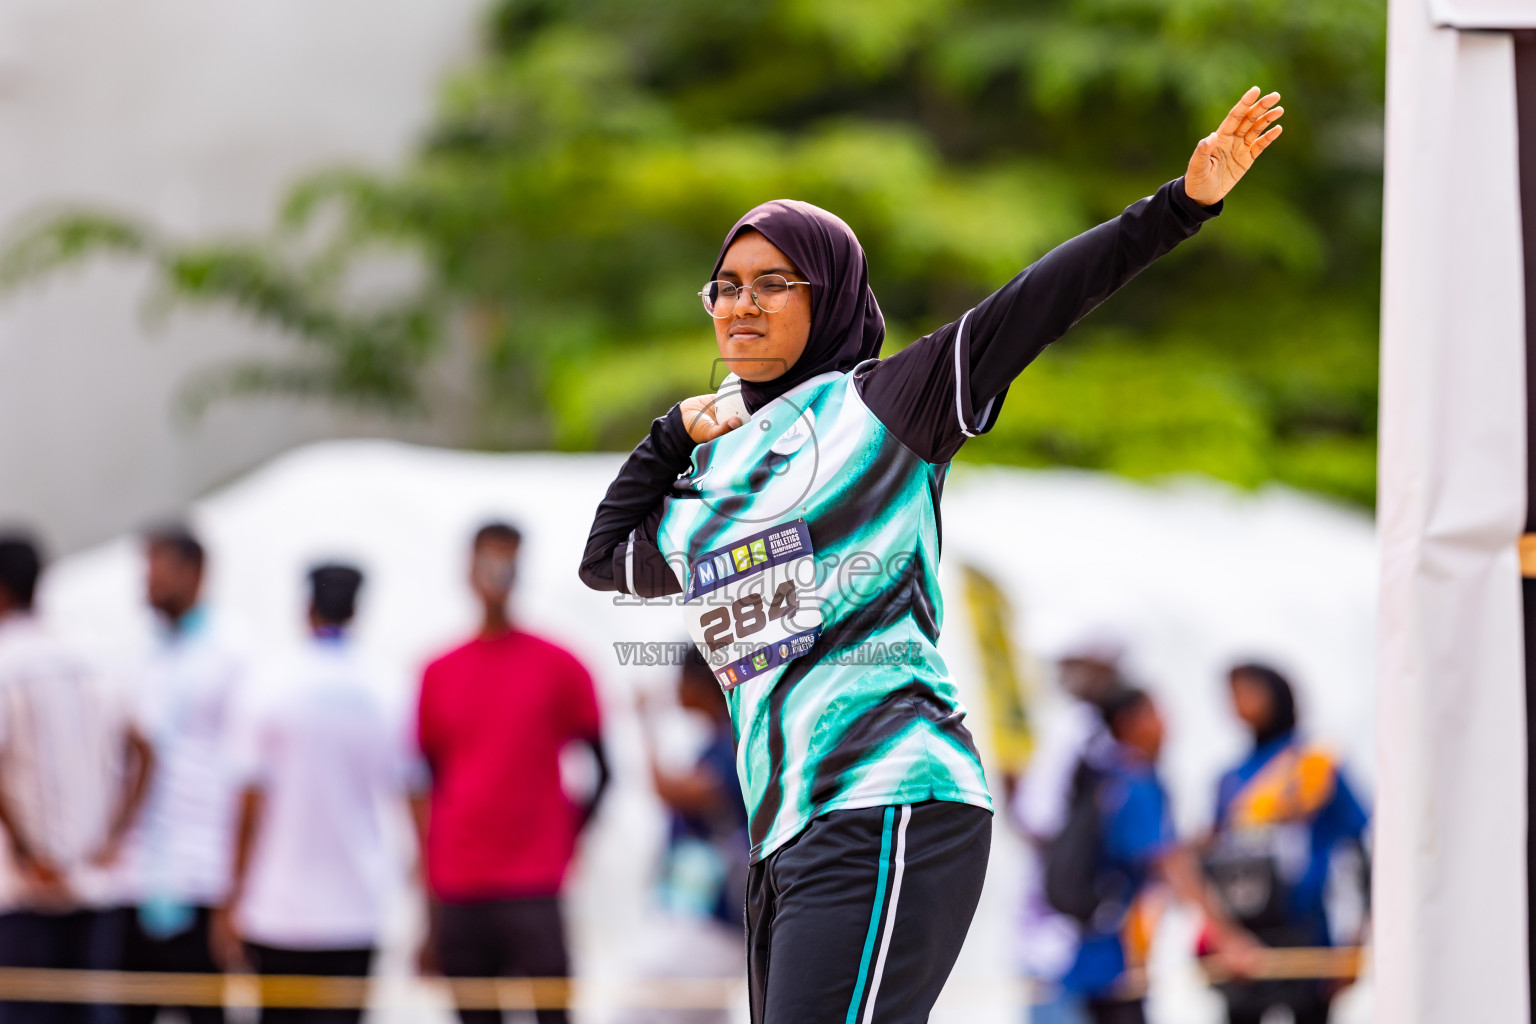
{"x":699,"y":416}
{"x":1224,"y":156}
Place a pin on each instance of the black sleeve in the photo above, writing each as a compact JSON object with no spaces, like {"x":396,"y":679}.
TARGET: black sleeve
{"x":621,"y":549}
{"x":950,"y":385}
{"x":604,"y":776}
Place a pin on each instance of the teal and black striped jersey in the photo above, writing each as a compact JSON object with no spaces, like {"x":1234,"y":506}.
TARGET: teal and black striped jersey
{"x":859,"y":711}
{"x":868,"y":715}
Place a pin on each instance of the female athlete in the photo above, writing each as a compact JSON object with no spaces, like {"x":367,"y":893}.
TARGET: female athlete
{"x":801,"y":531}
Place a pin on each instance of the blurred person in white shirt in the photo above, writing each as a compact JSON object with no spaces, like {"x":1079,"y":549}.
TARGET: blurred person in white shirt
{"x":322,"y":756}
{"x":1088,"y":671}
{"x":73,"y":770}
{"x":180,"y":853}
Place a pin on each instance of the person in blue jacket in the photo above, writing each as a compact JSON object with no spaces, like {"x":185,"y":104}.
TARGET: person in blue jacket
{"x":1283,"y":816}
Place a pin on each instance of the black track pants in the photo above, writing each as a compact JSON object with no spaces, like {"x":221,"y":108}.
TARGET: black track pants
{"x":512,"y":938}
{"x":860,"y":919}
{"x":325,"y":963}
{"x":185,"y":952}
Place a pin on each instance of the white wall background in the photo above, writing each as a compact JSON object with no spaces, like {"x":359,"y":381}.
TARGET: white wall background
{"x":194,"y":115}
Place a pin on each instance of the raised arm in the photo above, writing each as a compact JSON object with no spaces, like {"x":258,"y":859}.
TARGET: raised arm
{"x":950,"y":385}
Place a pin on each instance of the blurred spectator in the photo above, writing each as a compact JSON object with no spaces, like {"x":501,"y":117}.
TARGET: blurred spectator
{"x":1281,"y":817}
{"x":73,"y":770}
{"x":1088,"y":671}
{"x":321,"y":757}
{"x":498,"y":829}
{"x":1117,"y":838}
{"x":705,"y":874}
{"x":181,"y":850}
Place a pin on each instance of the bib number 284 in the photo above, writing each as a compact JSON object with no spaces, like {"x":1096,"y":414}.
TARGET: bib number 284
{"x":746,"y":616}
{"x":744,"y":609}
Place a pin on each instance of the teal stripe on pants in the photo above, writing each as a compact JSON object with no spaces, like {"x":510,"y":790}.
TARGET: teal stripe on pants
{"x":874,"y":916}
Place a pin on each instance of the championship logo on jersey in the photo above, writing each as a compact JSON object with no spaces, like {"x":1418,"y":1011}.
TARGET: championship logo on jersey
{"x":743,"y":556}
{"x":786,"y":542}
{"x":706,"y":573}
{"x":759,"y":551}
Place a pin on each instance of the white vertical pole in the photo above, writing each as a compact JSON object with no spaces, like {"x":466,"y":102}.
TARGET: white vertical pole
{"x":1450,"y":881}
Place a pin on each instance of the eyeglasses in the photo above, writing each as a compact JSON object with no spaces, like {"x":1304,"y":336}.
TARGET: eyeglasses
{"x":770,"y":292}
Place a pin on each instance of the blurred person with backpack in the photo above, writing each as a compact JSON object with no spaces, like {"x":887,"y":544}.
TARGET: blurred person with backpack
{"x":73,"y":772}
{"x":1116,"y":841}
{"x":1088,"y":671}
{"x":1282,"y":817}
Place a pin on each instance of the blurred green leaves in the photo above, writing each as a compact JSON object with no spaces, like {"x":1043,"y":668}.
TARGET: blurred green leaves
{"x":569,"y":198}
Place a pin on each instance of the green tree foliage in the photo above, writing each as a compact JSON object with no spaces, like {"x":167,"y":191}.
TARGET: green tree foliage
{"x":569,"y":198}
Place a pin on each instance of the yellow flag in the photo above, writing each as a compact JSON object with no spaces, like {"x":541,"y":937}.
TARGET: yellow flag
{"x":1012,"y":737}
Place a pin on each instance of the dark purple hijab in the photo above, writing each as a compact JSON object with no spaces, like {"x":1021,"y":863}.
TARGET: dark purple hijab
{"x":846,"y":325}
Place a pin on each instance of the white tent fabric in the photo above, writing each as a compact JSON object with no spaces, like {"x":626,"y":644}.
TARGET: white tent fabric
{"x":1451,"y":827}
{"x":1475,"y":14}
{"x":1191,"y":575}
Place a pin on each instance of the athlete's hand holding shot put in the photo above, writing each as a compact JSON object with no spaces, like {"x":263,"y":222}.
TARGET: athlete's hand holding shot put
{"x":870,"y":817}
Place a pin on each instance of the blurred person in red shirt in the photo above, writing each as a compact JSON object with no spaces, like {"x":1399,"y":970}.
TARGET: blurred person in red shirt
{"x":497,"y":827}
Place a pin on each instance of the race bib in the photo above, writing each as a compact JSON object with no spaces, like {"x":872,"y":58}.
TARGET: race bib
{"x":743,"y":603}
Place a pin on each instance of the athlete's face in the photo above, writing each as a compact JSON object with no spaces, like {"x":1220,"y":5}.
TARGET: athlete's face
{"x":760,"y":346}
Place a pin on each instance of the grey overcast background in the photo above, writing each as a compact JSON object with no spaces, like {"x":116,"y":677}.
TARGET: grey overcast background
{"x":195,"y":115}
